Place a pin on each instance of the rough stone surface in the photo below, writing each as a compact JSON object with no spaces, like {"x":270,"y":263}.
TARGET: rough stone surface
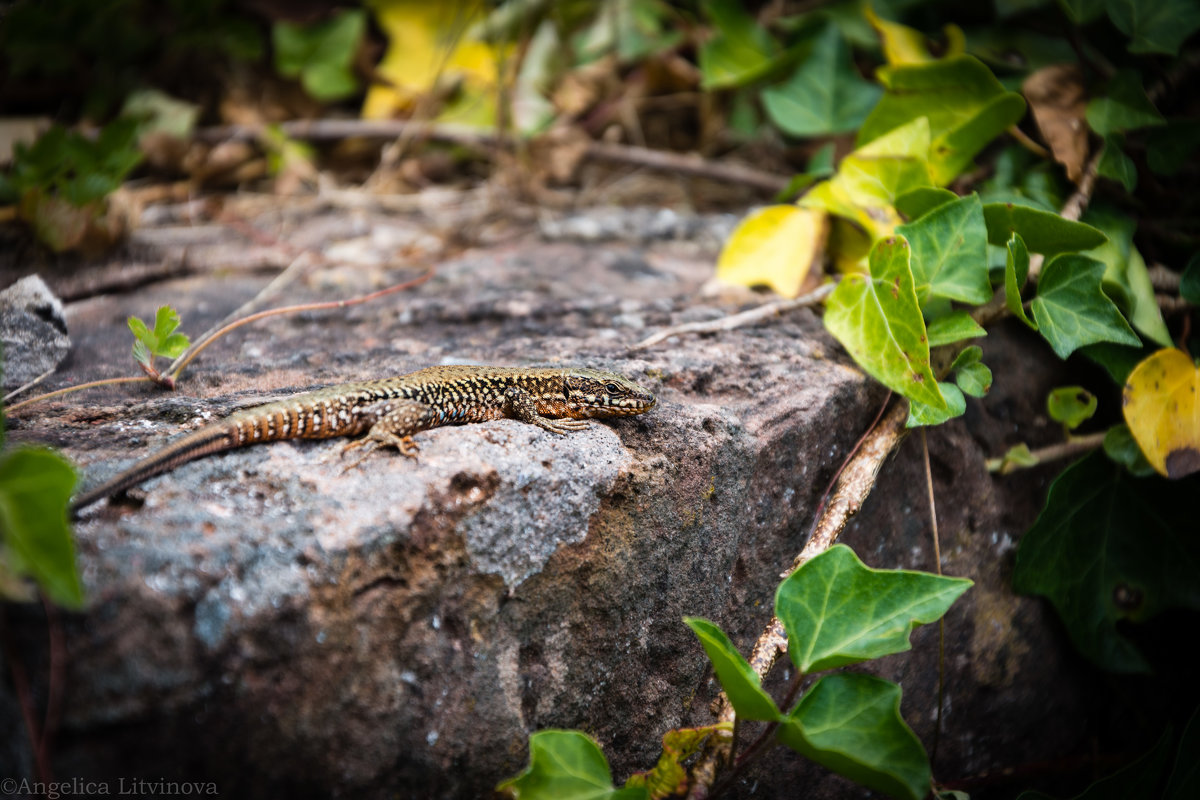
{"x":33,"y":331}
{"x":266,"y":621}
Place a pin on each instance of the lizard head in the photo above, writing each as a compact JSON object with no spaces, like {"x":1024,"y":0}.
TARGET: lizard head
{"x":592,"y":393}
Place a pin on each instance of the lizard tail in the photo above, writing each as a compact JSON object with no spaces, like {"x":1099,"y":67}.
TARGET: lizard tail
{"x":194,"y":445}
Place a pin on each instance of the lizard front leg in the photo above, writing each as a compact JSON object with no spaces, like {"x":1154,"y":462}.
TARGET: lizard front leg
{"x":395,"y":423}
{"x":522,"y":406}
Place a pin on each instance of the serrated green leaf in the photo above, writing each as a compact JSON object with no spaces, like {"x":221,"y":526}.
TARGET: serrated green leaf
{"x":1016,"y":270}
{"x":740,"y":52}
{"x":851,"y":724}
{"x":1109,"y":548}
{"x":966,"y":107}
{"x":1116,"y":165}
{"x":1072,"y":311}
{"x":922,"y":200}
{"x":166,"y":320}
{"x":1071,"y":405}
{"x":953,"y":327}
{"x":878,"y":321}
{"x":838,"y":611}
{"x":920,"y":414}
{"x":1155,"y":26}
{"x":949,"y":252}
{"x":1122,"y":448}
{"x":141,"y":354}
{"x":741,"y":685}
{"x":174,"y":345}
{"x":1122,"y":106}
{"x":140,"y":331}
{"x":566,"y":765}
{"x":825,"y":95}
{"x":1041,"y":231}
{"x":35,"y":487}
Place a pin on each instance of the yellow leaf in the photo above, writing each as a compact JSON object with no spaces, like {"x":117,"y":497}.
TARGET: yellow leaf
{"x":904,"y":45}
{"x":429,"y":48}
{"x":774,"y":246}
{"x":1163,"y":412}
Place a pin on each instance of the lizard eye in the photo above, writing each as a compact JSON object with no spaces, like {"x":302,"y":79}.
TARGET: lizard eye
{"x":612,"y":388}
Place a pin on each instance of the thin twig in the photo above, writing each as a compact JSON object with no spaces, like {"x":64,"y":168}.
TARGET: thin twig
{"x":753,"y":315}
{"x":272,"y":312}
{"x":686,"y":164}
{"x":79,"y":388}
{"x":937,"y":560}
{"x":31,"y":384}
{"x":1068,"y":449}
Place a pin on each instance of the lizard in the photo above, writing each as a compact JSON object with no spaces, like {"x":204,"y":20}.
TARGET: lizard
{"x":390,"y":410}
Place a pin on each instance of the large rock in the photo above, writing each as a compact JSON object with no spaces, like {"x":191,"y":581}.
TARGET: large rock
{"x":268,"y":621}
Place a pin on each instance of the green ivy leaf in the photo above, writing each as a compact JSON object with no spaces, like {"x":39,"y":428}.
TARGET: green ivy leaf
{"x":877,"y":319}
{"x":1109,"y":548}
{"x":741,"y":685}
{"x":1081,"y":11}
{"x":1125,"y":274}
{"x":949,"y":252}
{"x":1016,"y":271}
{"x":1072,"y":311}
{"x":825,"y":95}
{"x":1189,"y":283}
{"x":1122,"y":106}
{"x":966,"y":107}
{"x":1071,"y":405}
{"x":1041,"y":231}
{"x":922,"y":200}
{"x":321,"y":55}
{"x":970,"y":373}
{"x":1118,"y":360}
{"x":1116,"y":165}
{"x":954,"y":327}
{"x":35,"y":487}
{"x":837,"y":611}
{"x":741,"y":52}
{"x":920,"y":414}
{"x":566,"y":765}
{"x":1155,"y":26}
{"x":1123,"y":449}
{"x":851,"y":724}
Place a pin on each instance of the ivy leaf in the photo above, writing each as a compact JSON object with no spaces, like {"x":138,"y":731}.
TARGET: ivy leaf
{"x":920,"y":414}
{"x":1071,"y":405}
{"x":321,"y":55}
{"x":838,"y":611}
{"x":1155,"y":26}
{"x":949,"y":252}
{"x":825,"y":95}
{"x":851,"y":724}
{"x":774,"y":246}
{"x":1109,"y":548}
{"x":1125,"y":274}
{"x":1072,"y":311}
{"x":954,"y":327}
{"x":566,"y":765}
{"x":966,"y":107}
{"x":970,"y":373}
{"x":741,"y":684}
{"x":1122,"y":106}
{"x":922,"y":200}
{"x":869,"y":180}
{"x":35,"y":487}
{"x":877,"y":319}
{"x":1122,"y":448}
{"x":1016,"y":271}
{"x":1162,"y":410}
{"x":1116,"y":165}
{"x":1041,"y":231}
{"x":742,"y":50}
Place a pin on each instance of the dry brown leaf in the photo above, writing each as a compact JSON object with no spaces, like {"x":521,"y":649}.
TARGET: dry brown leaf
{"x":1058,"y":99}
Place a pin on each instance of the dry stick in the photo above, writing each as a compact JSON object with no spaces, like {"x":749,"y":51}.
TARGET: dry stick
{"x":31,"y":384}
{"x":937,"y":559}
{"x":1068,"y":449}
{"x":661,"y":160}
{"x":195,"y":351}
{"x":856,"y":481}
{"x":765,"y":311}
{"x":334,"y":304}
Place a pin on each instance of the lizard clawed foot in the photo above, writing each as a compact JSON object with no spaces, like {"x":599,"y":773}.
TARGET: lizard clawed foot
{"x":376,"y":439}
{"x":562,"y":426}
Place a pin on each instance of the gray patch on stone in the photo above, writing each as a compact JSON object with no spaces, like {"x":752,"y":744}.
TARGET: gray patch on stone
{"x":33,"y":331}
